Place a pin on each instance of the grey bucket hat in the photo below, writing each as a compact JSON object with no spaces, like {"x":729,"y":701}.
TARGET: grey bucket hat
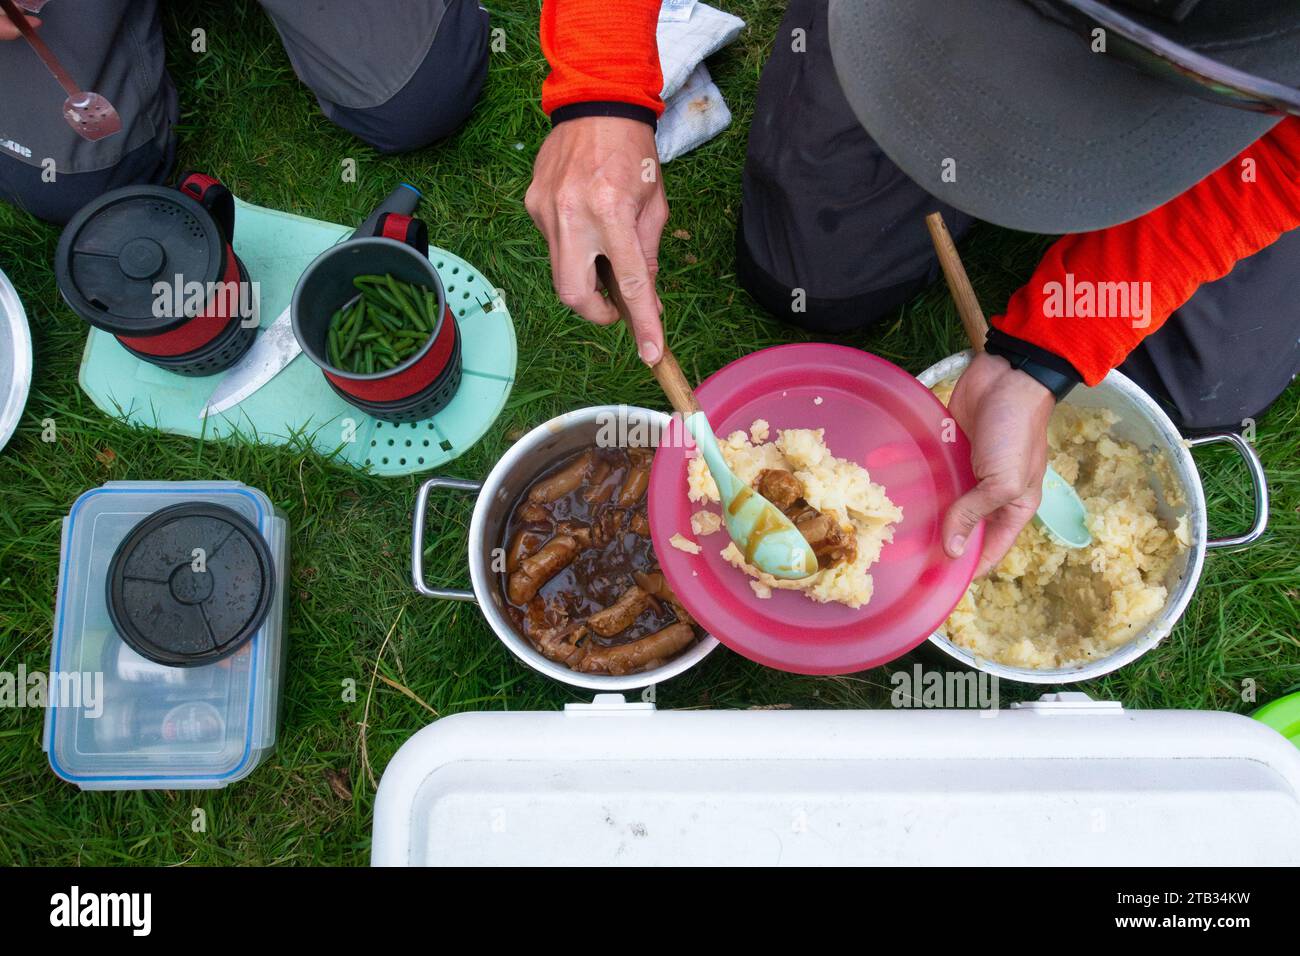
{"x":1003,"y":110}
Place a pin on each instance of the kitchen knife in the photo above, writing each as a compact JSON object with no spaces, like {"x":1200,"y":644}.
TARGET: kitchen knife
{"x":277,"y":346}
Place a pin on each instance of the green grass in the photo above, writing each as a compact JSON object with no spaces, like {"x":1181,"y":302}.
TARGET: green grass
{"x":248,"y":121}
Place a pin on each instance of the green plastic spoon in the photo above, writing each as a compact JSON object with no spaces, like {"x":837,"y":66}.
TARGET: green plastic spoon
{"x":767,"y":538}
{"x":1060,"y":512}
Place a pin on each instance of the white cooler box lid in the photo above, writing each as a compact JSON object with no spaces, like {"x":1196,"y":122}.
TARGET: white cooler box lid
{"x":1062,"y":780}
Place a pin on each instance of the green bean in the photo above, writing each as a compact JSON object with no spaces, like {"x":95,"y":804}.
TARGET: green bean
{"x":374,"y":296}
{"x":393,"y":287}
{"x":418,"y":298}
{"x":366,"y":283}
{"x":390,"y":323}
{"x":353,"y":334}
{"x":401,"y":289}
{"x":348,"y":315}
{"x":333,"y":349}
{"x":386,"y":307}
{"x":411,"y":297}
{"x":382,"y":295}
{"x":387,"y":322}
{"x":416,"y":317}
{"x":404,"y":305}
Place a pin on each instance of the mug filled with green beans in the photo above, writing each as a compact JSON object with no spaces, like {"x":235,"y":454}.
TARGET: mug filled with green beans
{"x":372,"y":313}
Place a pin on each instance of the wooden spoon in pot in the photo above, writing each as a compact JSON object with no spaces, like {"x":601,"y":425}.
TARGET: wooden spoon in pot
{"x":768,"y":539}
{"x":1060,"y":512}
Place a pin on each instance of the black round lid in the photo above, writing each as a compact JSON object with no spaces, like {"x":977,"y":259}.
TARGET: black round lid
{"x":118,"y":246}
{"x":168,"y":611}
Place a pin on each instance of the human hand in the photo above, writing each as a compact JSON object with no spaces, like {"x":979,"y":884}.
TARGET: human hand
{"x":1004,"y":413}
{"x":596,"y":191}
{"x":8,"y":31}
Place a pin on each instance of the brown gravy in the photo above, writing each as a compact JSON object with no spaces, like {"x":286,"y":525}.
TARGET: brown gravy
{"x":577,"y":541}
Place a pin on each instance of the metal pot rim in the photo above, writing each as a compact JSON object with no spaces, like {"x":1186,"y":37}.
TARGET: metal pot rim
{"x":484,"y":583}
{"x":323,"y":262}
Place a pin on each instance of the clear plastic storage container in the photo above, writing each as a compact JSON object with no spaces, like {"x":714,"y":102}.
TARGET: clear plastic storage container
{"x":119,"y":720}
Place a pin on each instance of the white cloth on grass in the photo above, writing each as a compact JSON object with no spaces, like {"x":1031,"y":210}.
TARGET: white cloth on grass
{"x":694,"y":116}
{"x":676,"y":9}
{"x":684,"y":44}
{"x":694,"y":110}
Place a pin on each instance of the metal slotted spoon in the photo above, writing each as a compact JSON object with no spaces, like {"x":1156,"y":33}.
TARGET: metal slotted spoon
{"x":90,"y":115}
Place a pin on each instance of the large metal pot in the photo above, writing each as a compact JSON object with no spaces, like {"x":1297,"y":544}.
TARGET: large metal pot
{"x":1144,"y":423}
{"x":15,"y":359}
{"x":527,"y":458}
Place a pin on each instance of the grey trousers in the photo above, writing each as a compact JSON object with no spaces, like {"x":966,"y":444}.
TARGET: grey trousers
{"x":826,"y":211}
{"x":400,"y":74}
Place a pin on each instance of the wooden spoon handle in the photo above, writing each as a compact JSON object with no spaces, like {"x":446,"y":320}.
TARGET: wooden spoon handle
{"x":674,"y":384}
{"x":963,"y":293}
{"x":666,"y":371}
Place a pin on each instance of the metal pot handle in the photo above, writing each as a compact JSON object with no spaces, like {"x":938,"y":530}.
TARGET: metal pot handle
{"x":417,"y":538}
{"x":1257,"y":479}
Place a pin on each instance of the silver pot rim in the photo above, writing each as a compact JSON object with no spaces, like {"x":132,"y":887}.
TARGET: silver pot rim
{"x":484,"y":583}
{"x":1184,"y":467}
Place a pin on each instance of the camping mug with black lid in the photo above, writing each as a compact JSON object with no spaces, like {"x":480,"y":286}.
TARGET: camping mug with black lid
{"x":411,"y":391}
{"x":190,"y":584}
{"x":155,"y":267}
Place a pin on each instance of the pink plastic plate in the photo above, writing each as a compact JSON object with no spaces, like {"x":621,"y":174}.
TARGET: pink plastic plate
{"x":874,"y":413}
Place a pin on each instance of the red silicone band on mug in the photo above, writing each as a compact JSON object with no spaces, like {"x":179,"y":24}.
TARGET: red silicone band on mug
{"x":198,"y":331}
{"x":410,"y":380}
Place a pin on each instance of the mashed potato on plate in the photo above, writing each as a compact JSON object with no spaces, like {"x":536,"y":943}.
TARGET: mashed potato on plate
{"x":837,"y":487}
{"x":1049,"y":606}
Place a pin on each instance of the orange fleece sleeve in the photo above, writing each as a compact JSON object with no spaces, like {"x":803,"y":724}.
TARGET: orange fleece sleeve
{"x":1097,"y":295}
{"x":601,"y":51}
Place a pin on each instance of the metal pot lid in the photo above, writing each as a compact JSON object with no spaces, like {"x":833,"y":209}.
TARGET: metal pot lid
{"x":118,"y":246}
{"x":190,"y":584}
{"x":16,"y":364}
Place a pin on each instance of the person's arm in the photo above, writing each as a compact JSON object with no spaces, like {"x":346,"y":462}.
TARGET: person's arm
{"x":10,"y":32}
{"x":602,"y":55}
{"x":1193,"y":239}
{"x":596,"y":187}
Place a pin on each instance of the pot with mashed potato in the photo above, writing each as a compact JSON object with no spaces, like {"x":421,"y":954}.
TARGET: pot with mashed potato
{"x":1048,"y":614}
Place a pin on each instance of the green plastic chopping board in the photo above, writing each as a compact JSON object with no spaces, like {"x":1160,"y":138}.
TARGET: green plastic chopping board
{"x":276,"y":247}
